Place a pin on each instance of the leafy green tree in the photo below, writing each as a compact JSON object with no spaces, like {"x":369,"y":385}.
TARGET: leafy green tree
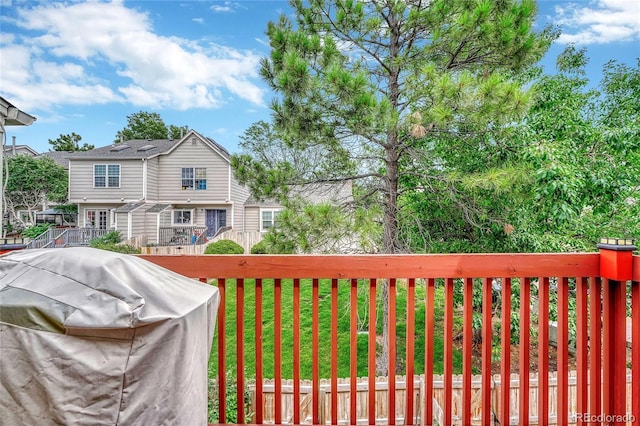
{"x":31,"y":184}
{"x":556,"y":181}
{"x":148,"y":125}
{"x":585,"y":156}
{"x":69,"y":142}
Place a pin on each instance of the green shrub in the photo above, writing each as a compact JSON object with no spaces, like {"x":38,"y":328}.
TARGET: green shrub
{"x":119,"y":248}
{"x":260,"y":248}
{"x":110,"y":240}
{"x":36,"y":230}
{"x":224,"y":247}
{"x":111,"y":237}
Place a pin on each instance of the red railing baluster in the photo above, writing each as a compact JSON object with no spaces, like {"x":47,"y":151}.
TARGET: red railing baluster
{"x":390,"y":268}
{"x":411,"y":295}
{"x":563,"y":351}
{"x":428,"y":351}
{"x":448,"y":350}
{"x":258,"y":348}
{"x":487,"y":337}
{"x":582,"y":371}
{"x":543,"y":350}
{"x":525,"y":342}
{"x":372,"y":351}
{"x":467,"y":348}
{"x":505,"y":348}
{"x":614,"y":348}
{"x":277,"y":348}
{"x":296,"y":351}
{"x":222,"y":365}
{"x":391,"y":374}
{"x":595,"y":351}
{"x":240,"y":348}
{"x":334,"y":351}
{"x":353,"y":352}
{"x":315,"y":348}
{"x":635,"y":346}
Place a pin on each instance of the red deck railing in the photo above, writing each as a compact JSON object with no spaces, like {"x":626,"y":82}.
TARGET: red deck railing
{"x":601,"y":361}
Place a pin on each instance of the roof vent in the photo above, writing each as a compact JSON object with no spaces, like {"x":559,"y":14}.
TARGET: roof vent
{"x":146,"y":148}
{"x":119,"y":147}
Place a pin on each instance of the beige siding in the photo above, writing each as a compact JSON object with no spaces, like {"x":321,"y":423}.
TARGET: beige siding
{"x":165,"y":218}
{"x":239,"y":194}
{"x":122,"y":225}
{"x":188,"y":155}
{"x":150,"y":227}
{"x":152,"y":179}
{"x":138,"y":222}
{"x":252,"y":219}
{"x":81,"y":182}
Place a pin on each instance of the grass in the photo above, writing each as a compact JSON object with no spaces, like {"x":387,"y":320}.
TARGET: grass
{"x":344,"y":343}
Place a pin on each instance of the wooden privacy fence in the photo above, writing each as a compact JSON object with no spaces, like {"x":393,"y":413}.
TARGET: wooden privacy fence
{"x":381,"y":398}
{"x":599,"y":280}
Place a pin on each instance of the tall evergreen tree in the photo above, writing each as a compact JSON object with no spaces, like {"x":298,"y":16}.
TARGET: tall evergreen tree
{"x":361,"y":82}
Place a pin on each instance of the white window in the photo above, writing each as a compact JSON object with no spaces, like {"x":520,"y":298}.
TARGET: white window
{"x":182,"y":217}
{"x":194,"y":178}
{"x":269,"y":219}
{"x":106,"y":175}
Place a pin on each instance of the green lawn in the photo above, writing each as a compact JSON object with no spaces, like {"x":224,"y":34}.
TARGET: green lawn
{"x":325,"y":329}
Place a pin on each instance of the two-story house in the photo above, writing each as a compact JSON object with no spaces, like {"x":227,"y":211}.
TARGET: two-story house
{"x":141,"y":187}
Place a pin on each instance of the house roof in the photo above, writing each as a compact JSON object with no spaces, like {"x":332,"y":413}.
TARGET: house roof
{"x":143,"y":148}
{"x":20,"y":149}
{"x":129,"y":150}
{"x":61,"y":158}
{"x":12,"y":116}
{"x":129,"y":207}
{"x":157,"y":208}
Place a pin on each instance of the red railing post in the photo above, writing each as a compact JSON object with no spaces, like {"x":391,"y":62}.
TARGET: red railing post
{"x":615,"y":269}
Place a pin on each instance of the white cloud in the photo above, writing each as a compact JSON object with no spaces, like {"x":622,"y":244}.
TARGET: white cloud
{"x":198,"y":20}
{"x":97,"y":52}
{"x":602,"y":22}
{"x":227,"y":6}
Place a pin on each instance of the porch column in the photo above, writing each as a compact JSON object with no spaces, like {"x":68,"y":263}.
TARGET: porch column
{"x":615,"y":270}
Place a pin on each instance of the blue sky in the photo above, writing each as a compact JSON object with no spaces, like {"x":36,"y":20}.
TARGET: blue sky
{"x":83,"y":67}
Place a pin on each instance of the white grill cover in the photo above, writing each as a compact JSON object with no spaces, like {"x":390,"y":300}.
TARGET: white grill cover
{"x":93,"y":337}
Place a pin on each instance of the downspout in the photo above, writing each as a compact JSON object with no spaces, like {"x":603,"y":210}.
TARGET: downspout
{"x":229,"y":198}
{"x":144,"y":179}
{"x":3,"y":180}
{"x":129,"y":225}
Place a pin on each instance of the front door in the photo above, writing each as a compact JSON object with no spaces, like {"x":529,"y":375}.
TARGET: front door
{"x":215,"y":220}
{"x":96,"y":219}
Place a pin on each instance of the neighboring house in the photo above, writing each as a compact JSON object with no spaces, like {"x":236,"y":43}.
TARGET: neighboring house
{"x":262,"y":215}
{"x":13,"y":150}
{"x":157,"y":188}
{"x":10,"y":115}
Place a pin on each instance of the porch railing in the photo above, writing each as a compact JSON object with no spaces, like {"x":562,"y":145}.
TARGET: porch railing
{"x":182,"y":235}
{"x":603,"y":296}
{"x":66,"y":237}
